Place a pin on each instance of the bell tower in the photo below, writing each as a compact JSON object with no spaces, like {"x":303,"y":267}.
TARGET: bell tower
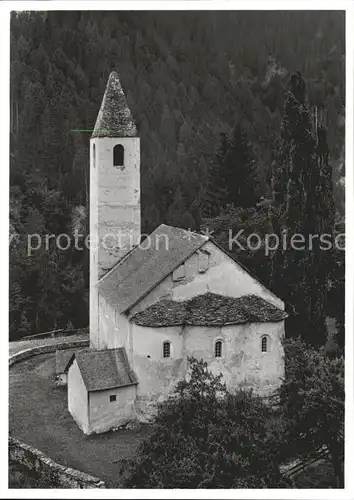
{"x":114,"y":191}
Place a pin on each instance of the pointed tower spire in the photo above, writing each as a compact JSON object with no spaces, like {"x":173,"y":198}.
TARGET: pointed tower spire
{"x":114,"y":118}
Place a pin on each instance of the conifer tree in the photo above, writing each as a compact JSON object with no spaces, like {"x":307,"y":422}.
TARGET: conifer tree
{"x":232,"y":177}
{"x":177,"y":209}
{"x":306,"y":208}
{"x":216,"y":189}
{"x":240,"y":170}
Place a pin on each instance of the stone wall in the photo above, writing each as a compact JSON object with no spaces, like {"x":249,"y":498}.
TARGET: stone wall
{"x":43,"y":349}
{"x":34,"y":460}
{"x":242,"y":364}
{"x":58,"y":475}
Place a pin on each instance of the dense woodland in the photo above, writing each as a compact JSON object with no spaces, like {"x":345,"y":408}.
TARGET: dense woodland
{"x":223,"y":116}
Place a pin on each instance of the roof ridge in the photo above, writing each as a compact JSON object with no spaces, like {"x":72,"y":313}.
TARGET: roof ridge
{"x":188,"y":231}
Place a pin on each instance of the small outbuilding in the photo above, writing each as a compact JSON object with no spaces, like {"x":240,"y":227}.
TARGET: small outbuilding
{"x":101,"y":389}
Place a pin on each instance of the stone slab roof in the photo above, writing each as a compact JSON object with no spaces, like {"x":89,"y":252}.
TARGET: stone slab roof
{"x":114,"y":118}
{"x":147,"y":265}
{"x":209,"y":309}
{"x":105,"y":369}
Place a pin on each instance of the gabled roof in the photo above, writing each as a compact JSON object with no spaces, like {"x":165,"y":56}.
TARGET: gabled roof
{"x":209,"y":309}
{"x":147,"y":265}
{"x":114,"y":118}
{"x":105,"y":369}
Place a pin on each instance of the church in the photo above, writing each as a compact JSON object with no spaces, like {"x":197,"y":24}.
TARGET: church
{"x":157,"y":300}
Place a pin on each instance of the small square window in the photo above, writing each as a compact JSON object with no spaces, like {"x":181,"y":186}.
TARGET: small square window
{"x":112,"y":398}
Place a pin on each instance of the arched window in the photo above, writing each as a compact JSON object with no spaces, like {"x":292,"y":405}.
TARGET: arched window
{"x":218,"y":349}
{"x":264,"y":343}
{"x":118,"y":155}
{"x":94,"y":155}
{"x":166,"y":349}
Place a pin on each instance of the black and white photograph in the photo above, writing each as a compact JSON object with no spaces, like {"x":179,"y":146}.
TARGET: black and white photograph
{"x":176,"y":217}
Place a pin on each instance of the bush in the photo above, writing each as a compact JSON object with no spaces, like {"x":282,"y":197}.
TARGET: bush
{"x":312,"y":401}
{"x":205,"y":437}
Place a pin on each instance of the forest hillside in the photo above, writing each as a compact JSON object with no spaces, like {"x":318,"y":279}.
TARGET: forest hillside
{"x":189,"y":77}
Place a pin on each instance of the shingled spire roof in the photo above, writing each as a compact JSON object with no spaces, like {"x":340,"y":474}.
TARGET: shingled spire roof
{"x":114,"y":118}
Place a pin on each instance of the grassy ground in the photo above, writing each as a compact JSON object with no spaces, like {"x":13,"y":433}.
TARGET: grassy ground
{"x":39,"y":416}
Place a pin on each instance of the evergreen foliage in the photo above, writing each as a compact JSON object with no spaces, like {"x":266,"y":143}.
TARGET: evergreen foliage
{"x":217,"y":189}
{"x":186,"y":75}
{"x":205,"y":437}
{"x":241,"y":223}
{"x":312,"y":402}
{"x":306,"y":208}
{"x":241,"y":171}
{"x":232,"y":178}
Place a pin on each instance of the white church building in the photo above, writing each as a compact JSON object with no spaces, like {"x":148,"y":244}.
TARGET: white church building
{"x":153,"y":304}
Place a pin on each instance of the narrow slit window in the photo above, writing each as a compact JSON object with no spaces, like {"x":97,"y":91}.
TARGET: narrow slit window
{"x":118,"y":155}
{"x":112,"y":398}
{"x":264,"y":344}
{"x":94,"y":155}
{"x":218,"y":349}
{"x":166,"y":350}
